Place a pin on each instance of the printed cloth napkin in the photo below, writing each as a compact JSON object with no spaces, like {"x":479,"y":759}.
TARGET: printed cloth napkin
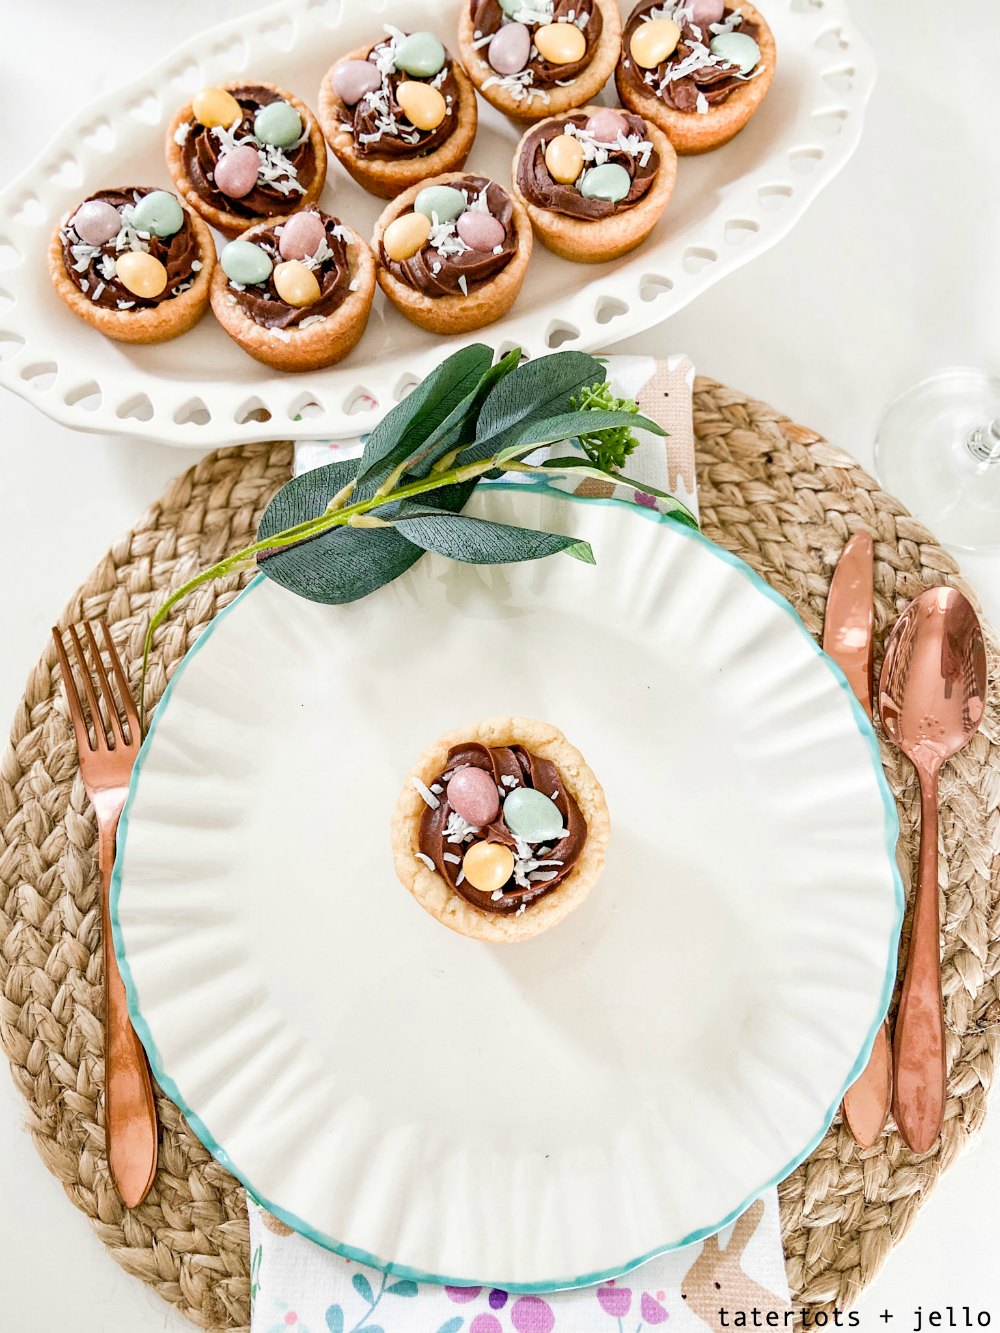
{"x":298,"y":1287}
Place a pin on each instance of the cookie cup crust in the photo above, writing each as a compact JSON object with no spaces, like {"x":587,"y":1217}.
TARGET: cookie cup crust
{"x":436,"y":896}
{"x":318,"y":345}
{"x":154,"y":324}
{"x":455,"y":314}
{"x":594,"y":242}
{"x":585,"y":86}
{"x":231,"y":224}
{"x":384,"y":176}
{"x":691,"y":133}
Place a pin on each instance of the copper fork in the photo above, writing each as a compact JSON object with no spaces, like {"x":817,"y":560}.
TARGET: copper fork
{"x":108,"y":739}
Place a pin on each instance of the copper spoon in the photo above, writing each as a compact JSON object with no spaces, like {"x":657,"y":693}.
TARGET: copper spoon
{"x":932,"y":693}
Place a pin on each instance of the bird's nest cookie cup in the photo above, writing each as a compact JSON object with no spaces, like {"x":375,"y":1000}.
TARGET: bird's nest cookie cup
{"x":436,"y":896}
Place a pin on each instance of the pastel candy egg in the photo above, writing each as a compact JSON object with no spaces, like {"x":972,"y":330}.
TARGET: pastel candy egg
{"x":606,"y":125}
{"x":214,"y":106}
{"x":704,"y":12}
{"x":420,"y":54}
{"x":511,"y":7}
{"x":531,"y":815}
{"x":737,"y":48}
{"x":96,"y":221}
{"x":480,"y":231}
{"x":441,"y":201}
{"x":509,"y":48}
{"x":609,"y":181}
{"x":295,"y":283}
{"x":353,"y":78}
{"x":158,"y":214}
{"x":405,"y":235}
{"x":472,"y":793}
{"x":488,"y":866}
{"x":422,"y":105}
{"x":564,"y":158}
{"x":652,"y":42}
{"x":277,"y":124}
{"x":245,"y":263}
{"x":560,"y":43}
{"x":301,"y":236}
{"x":141,"y":273}
{"x":236,"y":171}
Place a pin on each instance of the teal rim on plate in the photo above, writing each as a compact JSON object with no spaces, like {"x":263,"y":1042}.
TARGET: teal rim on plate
{"x":558,"y":1283}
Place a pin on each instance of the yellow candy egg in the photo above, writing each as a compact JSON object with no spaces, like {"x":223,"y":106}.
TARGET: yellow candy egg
{"x":488,"y":866}
{"x":141,"y":273}
{"x":652,"y":42}
{"x":560,"y":43}
{"x":423,"y":105}
{"x":214,"y":106}
{"x":295,"y":283}
{"x":564,"y":159}
{"x":404,"y":237}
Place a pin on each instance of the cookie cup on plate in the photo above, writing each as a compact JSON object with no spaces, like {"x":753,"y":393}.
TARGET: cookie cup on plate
{"x":433,"y":892}
{"x":387,"y":176}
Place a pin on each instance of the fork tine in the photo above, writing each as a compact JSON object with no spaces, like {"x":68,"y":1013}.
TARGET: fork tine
{"x":100,"y":733}
{"x":83,"y":741}
{"x":117,"y":734}
{"x":131,"y":712}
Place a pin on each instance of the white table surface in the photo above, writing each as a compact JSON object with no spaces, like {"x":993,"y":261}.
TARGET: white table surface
{"x":895,"y":271}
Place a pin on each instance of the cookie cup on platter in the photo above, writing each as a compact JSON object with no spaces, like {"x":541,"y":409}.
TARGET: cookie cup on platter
{"x":587,"y":84}
{"x":387,"y":176}
{"x":154,"y":324}
{"x":316,"y":346}
{"x":436,"y":896}
{"x":692,"y":133}
{"x":601,"y":239}
{"x":454,"y":314}
{"x":234,"y":224}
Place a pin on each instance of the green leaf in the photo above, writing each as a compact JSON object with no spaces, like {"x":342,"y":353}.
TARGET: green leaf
{"x":530,"y":435}
{"x":479,"y":541}
{"x":537,"y":390}
{"x":403,"y":1288}
{"x":363,"y":1287}
{"x":335,"y":1319}
{"x":669,"y":503}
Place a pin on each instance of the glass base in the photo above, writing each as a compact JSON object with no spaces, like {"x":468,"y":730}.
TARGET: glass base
{"x":937,"y":449}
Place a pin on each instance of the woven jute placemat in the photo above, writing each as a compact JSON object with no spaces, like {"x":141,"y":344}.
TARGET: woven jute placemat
{"x":770,"y":491}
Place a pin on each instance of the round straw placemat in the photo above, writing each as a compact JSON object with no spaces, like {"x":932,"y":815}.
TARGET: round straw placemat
{"x":770,"y":491}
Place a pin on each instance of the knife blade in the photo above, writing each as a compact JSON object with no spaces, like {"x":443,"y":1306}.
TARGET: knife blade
{"x":849,"y":638}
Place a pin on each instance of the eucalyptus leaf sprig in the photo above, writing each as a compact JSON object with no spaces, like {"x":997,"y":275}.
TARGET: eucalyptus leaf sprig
{"x":339,"y":532}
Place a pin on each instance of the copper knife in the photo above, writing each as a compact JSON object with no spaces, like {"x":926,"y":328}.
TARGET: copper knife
{"x":848,"y":637}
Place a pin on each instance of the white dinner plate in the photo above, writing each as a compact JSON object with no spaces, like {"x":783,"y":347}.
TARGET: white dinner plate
{"x":201,"y":390}
{"x":552,"y":1112}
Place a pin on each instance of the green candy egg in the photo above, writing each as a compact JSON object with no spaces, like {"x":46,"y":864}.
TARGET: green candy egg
{"x":440,"y":201}
{"x":511,"y":7}
{"x":737,"y":48}
{"x":420,"y":54}
{"x":531,"y":816}
{"x":158,"y":214}
{"x":245,"y":263}
{"x":277,"y":124}
{"x":610,"y":181}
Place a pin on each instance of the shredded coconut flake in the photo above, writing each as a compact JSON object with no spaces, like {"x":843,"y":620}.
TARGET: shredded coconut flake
{"x":428,"y":796}
{"x":181,"y":132}
{"x":422,"y":856}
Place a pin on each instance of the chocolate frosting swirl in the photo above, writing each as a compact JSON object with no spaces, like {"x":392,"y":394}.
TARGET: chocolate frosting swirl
{"x":538,"y":187}
{"x":487,"y":17}
{"x":378,"y":106}
{"x":262,"y":302}
{"x":202,"y":148}
{"x":714,"y":82}
{"x":527,"y":770}
{"x":436,"y":274}
{"x":178,"y":254}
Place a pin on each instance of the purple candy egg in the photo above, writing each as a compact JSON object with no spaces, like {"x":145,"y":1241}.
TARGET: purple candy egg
{"x":480,"y":231}
{"x":353,"y":78}
{"x":606,"y":124}
{"x":96,"y":221}
{"x":510,"y":48}
{"x":704,"y":12}
{"x":473,"y":794}
{"x":301,"y":236}
{"x":236,"y":171}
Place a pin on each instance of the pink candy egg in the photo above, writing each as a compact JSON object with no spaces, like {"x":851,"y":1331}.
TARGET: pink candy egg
{"x":510,"y":48}
{"x":480,"y":231}
{"x":353,"y":78}
{"x":96,"y":221}
{"x":704,"y":12}
{"x":301,"y":236}
{"x":472,"y":793}
{"x":236,"y":171}
{"x":606,"y":124}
